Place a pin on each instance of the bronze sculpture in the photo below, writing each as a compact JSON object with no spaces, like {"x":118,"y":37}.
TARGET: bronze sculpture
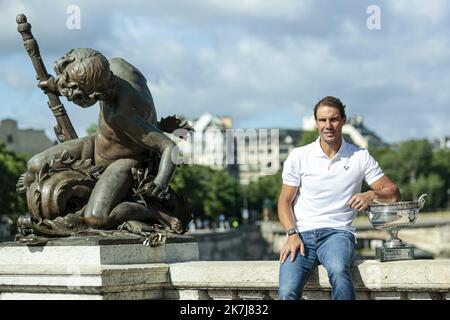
{"x":117,"y":178}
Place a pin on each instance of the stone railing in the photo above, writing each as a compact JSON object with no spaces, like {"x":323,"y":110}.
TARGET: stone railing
{"x":396,"y":280}
{"x":91,"y":268}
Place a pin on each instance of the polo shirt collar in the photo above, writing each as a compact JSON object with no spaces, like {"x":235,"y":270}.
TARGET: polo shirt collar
{"x":318,"y":152}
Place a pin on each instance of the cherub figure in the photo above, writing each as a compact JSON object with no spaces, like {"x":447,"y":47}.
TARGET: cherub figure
{"x":127,"y":133}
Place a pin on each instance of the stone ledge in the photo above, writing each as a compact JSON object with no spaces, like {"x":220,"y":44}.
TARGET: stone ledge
{"x":411,"y":275}
{"x":84,"y":279}
{"x":93,"y":271}
{"x":225,"y":274}
{"x":89,"y":278}
{"x":123,"y":295}
{"x":98,"y":254}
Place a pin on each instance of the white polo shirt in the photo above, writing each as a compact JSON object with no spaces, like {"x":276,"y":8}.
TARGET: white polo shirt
{"x":326,"y":185}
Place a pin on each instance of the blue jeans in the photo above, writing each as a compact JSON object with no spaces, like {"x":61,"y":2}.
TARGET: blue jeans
{"x":334,"y":249}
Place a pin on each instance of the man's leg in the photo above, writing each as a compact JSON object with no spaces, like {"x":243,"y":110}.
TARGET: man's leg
{"x":294,"y":274}
{"x":336,"y":251}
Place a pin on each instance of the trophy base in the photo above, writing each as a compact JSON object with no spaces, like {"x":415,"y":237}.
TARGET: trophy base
{"x":392,"y":254}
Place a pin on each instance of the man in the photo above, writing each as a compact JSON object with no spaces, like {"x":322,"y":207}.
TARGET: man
{"x":320,"y":196}
{"x":127,"y":131}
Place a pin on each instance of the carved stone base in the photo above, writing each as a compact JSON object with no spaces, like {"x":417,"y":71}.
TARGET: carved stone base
{"x":91,"y":268}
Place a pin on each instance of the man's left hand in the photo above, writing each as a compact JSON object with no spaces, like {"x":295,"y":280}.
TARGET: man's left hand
{"x":361,"y":201}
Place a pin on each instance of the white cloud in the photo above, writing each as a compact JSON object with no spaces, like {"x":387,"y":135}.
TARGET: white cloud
{"x":433,"y":11}
{"x":268,"y":9}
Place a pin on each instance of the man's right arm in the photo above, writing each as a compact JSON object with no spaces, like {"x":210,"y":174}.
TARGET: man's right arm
{"x":286,"y":215}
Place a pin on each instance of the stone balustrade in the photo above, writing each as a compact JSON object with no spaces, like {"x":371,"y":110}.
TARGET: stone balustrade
{"x":221,"y":280}
{"x":395,"y":280}
{"x":91,"y":268}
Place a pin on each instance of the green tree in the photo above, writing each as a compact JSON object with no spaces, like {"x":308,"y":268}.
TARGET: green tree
{"x":432,"y":185}
{"x":92,"y":129}
{"x":266,"y":187}
{"x":12,"y":166}
{"x":415,"y":158}
{"x":441,"y":167}
{"x":416,"y":169}
{"x":191,"y":181}
{"x":307,"y":137}
{"x":221,"y":197}
{"x":389,"y":161}
{"x":209,"y":192}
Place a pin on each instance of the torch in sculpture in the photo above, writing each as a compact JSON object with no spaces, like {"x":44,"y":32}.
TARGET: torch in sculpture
{"x":64,"y":130}
{"x":391,"y":217}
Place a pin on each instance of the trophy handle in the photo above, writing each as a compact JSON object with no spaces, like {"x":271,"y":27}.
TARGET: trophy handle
{"x":422,"y":200}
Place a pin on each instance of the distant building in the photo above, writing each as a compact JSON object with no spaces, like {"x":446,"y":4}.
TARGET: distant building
{"x":441,"y":143}
{"x":287,"y":140}
{"x":208,"y":144}
{"x":355,"y":128}
{"x":17,"y":140}
{"x":252,"y":152}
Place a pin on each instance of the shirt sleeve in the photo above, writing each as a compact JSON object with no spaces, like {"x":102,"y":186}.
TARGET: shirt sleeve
{"x":291,"y":170}
{"x":373,"y":170}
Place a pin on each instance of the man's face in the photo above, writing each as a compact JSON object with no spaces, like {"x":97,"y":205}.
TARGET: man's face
{"x":329,"y":123}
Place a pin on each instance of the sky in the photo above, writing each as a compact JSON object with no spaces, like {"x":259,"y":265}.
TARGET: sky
{"x":263,"y":62}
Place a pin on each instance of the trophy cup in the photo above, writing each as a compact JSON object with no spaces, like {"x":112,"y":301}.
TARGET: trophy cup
{"x":391,"y":217}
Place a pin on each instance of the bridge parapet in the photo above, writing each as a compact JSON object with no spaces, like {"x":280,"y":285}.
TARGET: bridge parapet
{"x":396,"y":280}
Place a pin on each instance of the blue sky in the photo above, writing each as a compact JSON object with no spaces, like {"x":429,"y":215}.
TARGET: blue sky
{"x":263,"y":62}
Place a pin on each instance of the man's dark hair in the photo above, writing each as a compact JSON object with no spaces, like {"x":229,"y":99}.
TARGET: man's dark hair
{"x":331,"y":102}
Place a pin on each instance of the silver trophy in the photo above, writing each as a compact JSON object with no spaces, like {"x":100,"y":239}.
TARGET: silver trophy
{"x":391,"y":217}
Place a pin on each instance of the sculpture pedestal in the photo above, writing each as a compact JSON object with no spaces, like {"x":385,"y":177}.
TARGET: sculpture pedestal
{"x":90,"y":268}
